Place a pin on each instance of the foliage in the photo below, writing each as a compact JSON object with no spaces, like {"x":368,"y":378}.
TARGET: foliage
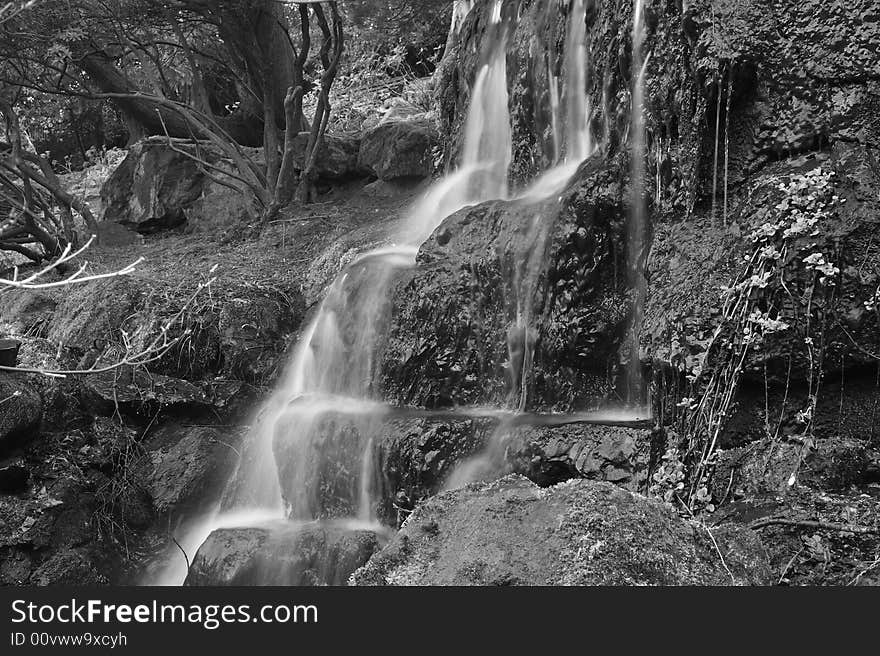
{"x":785,"y":285}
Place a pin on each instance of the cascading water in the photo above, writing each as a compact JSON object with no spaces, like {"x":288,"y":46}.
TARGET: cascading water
{"x":324,"y":414}
{"x":578,"y":139}
{"x":573,"y":143}
{"x":637,"y":218}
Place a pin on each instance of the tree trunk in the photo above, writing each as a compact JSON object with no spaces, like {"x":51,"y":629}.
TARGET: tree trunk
{"x":142,"y":113}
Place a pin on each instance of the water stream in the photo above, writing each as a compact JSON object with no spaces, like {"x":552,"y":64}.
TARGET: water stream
{"x":309,"y":455}
{"x":572,"y":143}
{"x":297,"y":438}
{"x":636,"y":234}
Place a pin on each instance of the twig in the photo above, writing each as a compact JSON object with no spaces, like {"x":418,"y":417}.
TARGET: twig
{"x":711,"y":537}
{"x":871,"y":566}
{"x":66,"y":256}
{"x":182,"y":550}
{"x":790,"y":563}
{"x":157,"y":348}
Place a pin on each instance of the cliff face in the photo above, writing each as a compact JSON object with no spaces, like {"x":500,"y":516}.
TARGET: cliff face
{"x":771,"y":79}
{"x":761,"y":321}
{"x":757,"y":115}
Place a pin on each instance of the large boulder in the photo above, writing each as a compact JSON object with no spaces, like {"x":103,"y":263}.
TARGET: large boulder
{"x":21,"y":409}
{"x":399,"y":147}
{"x":283,"y":554}
{"x":511,"y":532}
{"x":455,"y":337}
{"x":159,"y":186}
{"x":337,"y":158}
{"x":241,"y":331}
{"x":152,"y":188}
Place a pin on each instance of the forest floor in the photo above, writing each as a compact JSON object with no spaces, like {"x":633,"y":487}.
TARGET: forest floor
{"x":285,"y":251}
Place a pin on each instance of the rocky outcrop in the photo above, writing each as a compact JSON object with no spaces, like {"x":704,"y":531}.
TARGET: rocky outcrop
{"x":551,"y":454}
{"x":511,"y":532}
{"x":399,"y":147}
{"x":186,"y":467}
{"x":296,"y":555}
{"x":240,"y":334}
{"x":790,"y":91}
{"x":811,"y":224}
{"x":454,"y":337}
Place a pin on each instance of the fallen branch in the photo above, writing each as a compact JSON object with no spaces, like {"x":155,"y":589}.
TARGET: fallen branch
{"x":806,"y":523}
{"x":66,"y":256}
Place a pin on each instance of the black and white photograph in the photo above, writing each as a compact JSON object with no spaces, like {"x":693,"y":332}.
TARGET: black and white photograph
{"x":393,"y":293}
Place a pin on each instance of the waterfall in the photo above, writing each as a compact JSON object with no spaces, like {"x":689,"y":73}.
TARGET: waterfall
{"x":573,"y":134}
{"x":572,"y":138}
{"x":637,"y":214}
{"x":488,"y":143}
{"x":578,"y":141}
{"x":324,"y":414}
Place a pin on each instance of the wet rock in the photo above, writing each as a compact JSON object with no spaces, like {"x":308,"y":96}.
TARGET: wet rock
{"x":552,"y":454}
{"x":310,"y":554}
{"x":188,"y":466}
{"x":511,"y":532}
{"x":775,"y":78}
{"x":453,"y":337}
{"x":399,"y":148}
{"x":404,"y":458}
{"x":13,"y":477}
{"x":337,"y":158}
{"x":417,"y":456}
{"x":320,"y":462}
{"x":21,"y":409}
